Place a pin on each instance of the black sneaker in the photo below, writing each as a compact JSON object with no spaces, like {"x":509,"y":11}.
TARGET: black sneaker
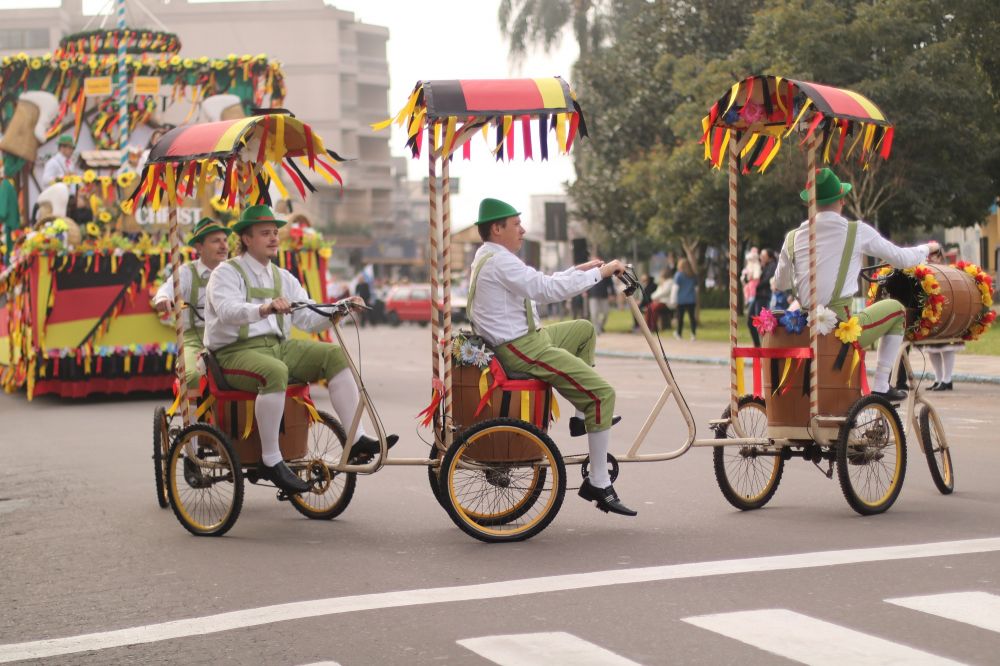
{"x":367,"y":448}
{"x":892,"y":395}
{"x":578,"y":427}
{"x":942,"y":386}
{"x":282,"y":477}
{"x":606,"y":498}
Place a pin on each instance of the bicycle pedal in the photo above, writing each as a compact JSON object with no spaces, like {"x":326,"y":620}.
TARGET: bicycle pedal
{"x":282,"y":496}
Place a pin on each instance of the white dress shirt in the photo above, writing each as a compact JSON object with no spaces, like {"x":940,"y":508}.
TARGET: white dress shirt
{"x":57,"y":167}
{"x":166,"y":292}
{"x":227,"y":308}
{"x":831,"y":235}
{"x":503,"y":284}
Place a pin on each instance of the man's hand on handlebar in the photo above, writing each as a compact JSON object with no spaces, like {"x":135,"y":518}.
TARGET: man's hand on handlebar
{"x":593,"y":263}
{"x":277,"y":306}
{"x":613,"y":267}
{"x":164,"y":306}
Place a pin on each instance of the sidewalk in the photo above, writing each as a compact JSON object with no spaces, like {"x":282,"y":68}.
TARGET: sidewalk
{"x":968,"y":367}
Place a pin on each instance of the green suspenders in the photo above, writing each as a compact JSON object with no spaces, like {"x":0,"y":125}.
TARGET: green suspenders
{"x":259,"y":292}
{"x":845,"y":258}
{"x":472,"y":294}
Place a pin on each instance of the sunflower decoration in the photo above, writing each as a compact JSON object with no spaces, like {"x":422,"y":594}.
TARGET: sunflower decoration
{"x":89,"y":176}
{"x":930,"y":302}
{"x":36,"y":63}
{"x":126,"y":179}
{"x":104,"y":217}
{"x":848,"y":331}
{"x":93,"y":230}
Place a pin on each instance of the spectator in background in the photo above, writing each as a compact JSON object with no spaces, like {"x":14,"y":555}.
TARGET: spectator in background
{"x":131,"y":164}
{"x":750,"y":277}
{"x":597,"y":298}
{"x":687,"y":296}
{"x":660,"y":312}
{"x":364,"y":291}
{"x":762,"y":294}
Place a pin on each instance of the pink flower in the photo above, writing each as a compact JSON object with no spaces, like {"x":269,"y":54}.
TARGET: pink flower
{"x":765,"y":321}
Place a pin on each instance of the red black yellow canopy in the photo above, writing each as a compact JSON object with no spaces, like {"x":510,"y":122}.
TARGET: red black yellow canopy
{"x":770,"y":108}
{"x":450,"y":108}
{"x":243,"y":154}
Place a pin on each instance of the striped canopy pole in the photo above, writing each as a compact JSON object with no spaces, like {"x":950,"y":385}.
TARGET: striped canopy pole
{"x":446,"y":289}
{"x":434,"y":250}
{"x":813,"y":304}
{"x":121,"y":88}
{"x":733,"y":282}
{"x":175,"y":265}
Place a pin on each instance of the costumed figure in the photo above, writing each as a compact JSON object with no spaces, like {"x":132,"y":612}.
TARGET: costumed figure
{"x":61,"y":164}
{"x":248,"y":321}
{"x":211,"y":241}
{"x":501,"y":306}
{"x":840,"y":245}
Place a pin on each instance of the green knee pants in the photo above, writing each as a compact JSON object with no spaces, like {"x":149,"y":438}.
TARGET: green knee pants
{"x":264,"y":364}
{"x":886,"y":317}
{"x":563,"y":356}
{"x":193,"y":346}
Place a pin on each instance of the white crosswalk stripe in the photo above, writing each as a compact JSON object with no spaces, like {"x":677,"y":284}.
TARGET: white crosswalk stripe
{"x":980,"y":609}
{"x":543,"y":649}
{"x":810,"y":641}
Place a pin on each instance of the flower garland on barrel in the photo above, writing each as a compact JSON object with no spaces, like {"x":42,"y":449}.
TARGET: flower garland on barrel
{"x":929,"y":301}
{"x":985,"y":285}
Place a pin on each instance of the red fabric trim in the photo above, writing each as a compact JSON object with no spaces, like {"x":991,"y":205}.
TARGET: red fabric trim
{"x":246,"y":373}
{"x":589,"y":394}
{"x":882,"y":320}
{"x":772,"y":352}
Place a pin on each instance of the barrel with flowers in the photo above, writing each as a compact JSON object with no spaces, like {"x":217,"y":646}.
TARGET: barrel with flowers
{"x":942,"y":302}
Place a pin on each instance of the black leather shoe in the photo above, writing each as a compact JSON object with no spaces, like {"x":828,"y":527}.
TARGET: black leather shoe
{"x":942,"y":386}
{"x":934,"y":386}
{"x":282,"y":477}
{"x":606,"y":498}
{"x":892,"y":395}
{"x":578,"y":427}
{"x":367,"y":448}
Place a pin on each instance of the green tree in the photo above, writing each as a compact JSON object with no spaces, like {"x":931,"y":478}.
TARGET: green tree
{"x":541,"y":23}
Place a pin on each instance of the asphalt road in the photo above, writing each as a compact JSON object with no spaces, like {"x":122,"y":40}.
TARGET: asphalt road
{"x":87,"y":552}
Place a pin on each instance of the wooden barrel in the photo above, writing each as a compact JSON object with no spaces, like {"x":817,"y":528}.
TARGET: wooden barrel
{"x":789,"y":408}
{"x":499,"y":447}
{"x":962,"y":300}
{"x":293,"y":437}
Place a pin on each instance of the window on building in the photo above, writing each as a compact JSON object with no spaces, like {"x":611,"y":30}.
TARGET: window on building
{"x":23,"y":38}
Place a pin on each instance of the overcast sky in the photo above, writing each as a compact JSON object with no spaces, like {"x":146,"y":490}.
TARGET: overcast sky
{"x":447,"y":39}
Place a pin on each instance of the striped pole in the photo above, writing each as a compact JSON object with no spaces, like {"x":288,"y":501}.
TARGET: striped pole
{"x":432,"y":192}
{"x":175,"y":265}
{"x":121,"y":88}
{"x":446,"y":288}
{"x":813,"y":305}
{"x":733,"y":280}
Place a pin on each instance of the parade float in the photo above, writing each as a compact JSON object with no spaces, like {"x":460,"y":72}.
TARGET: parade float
{"x":75,"y":313}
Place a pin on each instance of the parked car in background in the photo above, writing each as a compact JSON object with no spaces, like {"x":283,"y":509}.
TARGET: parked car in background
{"x":412,"y":302}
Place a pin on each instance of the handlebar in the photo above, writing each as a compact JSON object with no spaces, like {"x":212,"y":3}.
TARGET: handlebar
{"x":629,"y":279}
{"x":868,"y":274}
{"x":342,"y":307}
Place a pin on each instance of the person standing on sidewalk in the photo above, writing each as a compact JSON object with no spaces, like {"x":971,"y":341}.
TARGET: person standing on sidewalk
{"x":597,"y":299}
{"x":762,"y":292}
{"x":503,"y":292}
{"x":840,"y":245}
{"x":687,"y":296}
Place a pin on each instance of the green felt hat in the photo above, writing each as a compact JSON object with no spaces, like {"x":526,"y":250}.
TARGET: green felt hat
{"x":206,"y":226}
{"x":255,"y":215}
{"x":65,"y":140}
{"x":828,"y":188}
{"x":494,"y":210}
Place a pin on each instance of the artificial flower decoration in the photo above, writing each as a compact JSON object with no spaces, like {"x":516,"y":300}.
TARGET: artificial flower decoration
{"x":126,"y":179}
{"x":984,"y":283}
{"x":93,"y":229}
{"x":826,"y":320}
{"x":848,"y":331}
{"x":765,"y":321}
{"x":104,"y":217}
{"x":470,"y":351}
{"x":89,"y":176}
{"x":794,"y":321}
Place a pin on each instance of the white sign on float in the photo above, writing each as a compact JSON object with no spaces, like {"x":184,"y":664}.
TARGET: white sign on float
{"x":147,"y":217}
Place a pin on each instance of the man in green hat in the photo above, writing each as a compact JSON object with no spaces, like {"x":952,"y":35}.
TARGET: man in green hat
{"x":61,"y":164}
{"x":248,"y":322}
{"x":840,"y":245}
{"x":210,"y":239}
{"x":503,"y":292}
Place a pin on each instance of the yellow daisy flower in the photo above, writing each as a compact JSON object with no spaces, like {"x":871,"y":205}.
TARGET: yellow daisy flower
{"x":848,"y":331}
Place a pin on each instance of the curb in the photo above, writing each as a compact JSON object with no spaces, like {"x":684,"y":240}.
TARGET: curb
{"x":710,"y":360}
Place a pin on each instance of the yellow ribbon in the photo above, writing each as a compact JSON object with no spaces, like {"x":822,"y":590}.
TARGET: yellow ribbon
{"x":484,"y":384}
{"x":449,"y":137}
{"x":784,"y":375}
{"x":525,"y":406}
{"x":248,"y":426}
{"x":171,"y":185}
{"x":708,"y":138}
{"x":801,"y":113}
{"x":177,"y":403}
{"x":313,"y":414}
{"x":562,"y":124}
{"x":277,"y":181}
{"x":204,"y":407}
{"x":740,"y":381}
{"x":770,"y":156}
{"x":855,"y":359}
{"x":555,"y":407}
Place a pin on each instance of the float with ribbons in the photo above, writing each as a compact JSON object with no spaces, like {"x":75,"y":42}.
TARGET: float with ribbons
{"x":809,"y":396}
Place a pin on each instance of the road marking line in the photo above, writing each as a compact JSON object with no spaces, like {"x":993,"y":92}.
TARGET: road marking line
{"x":980,"y":609}
{"x":811,"y":641}
{"x":543,"y":649}
{"x":252,"y":617}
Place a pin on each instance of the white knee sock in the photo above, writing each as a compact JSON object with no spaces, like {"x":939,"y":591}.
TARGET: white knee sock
{"x":599,"y":443}
{"x":935,"y":358}
{"x":887,"y":350}
{"x":268,"y":408}
{"x":947,"y":365}
{"x":580,"y":415}
{"x":344,"y":397}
